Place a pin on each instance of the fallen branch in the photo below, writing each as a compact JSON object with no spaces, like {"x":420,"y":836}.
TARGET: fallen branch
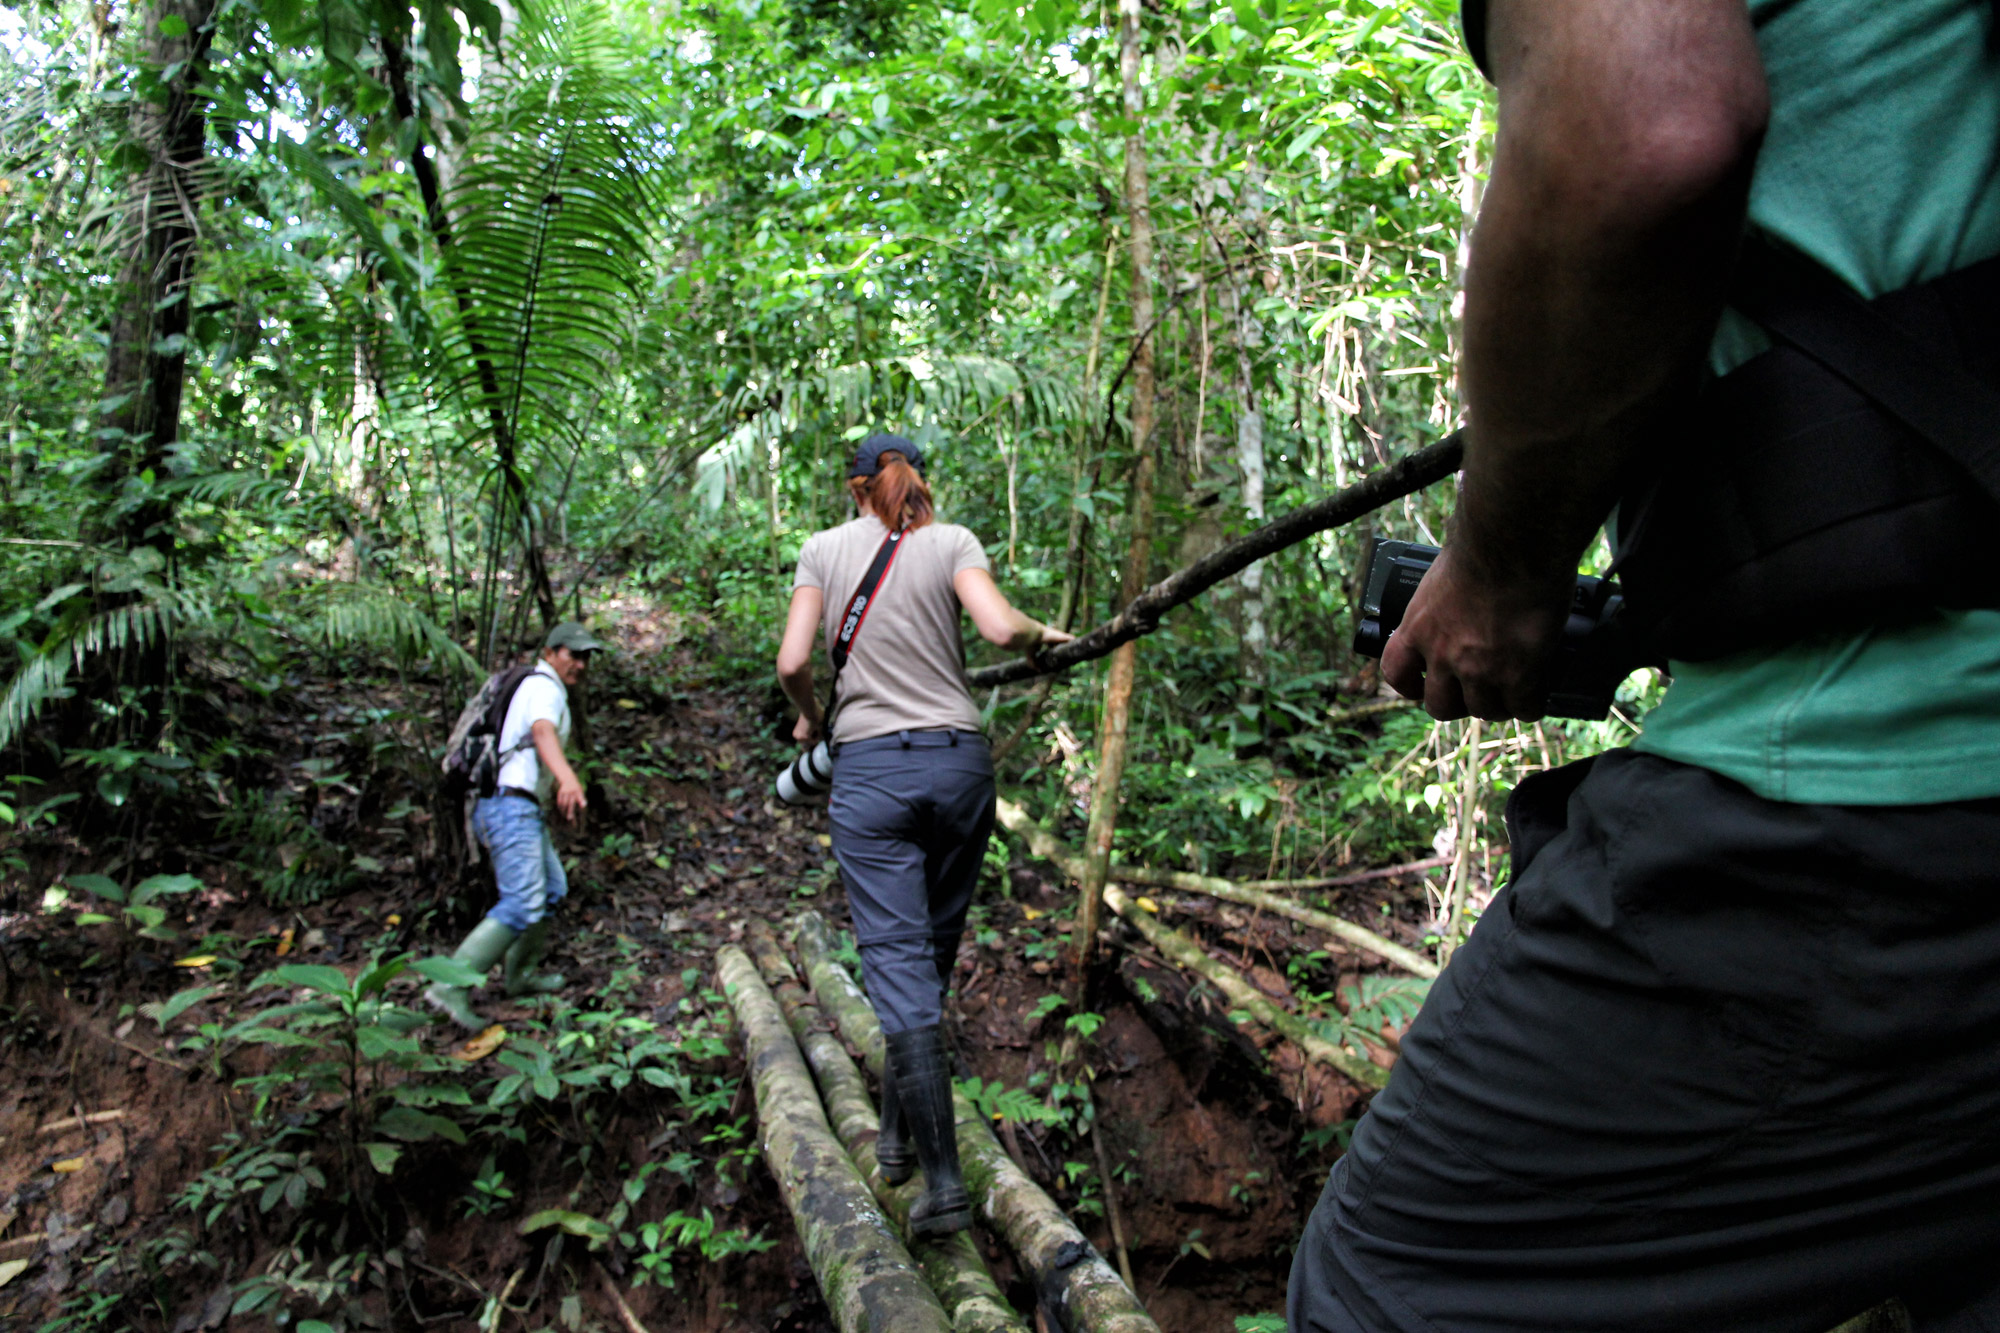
{"x":952,"y":1264}
{"x":867,"y":1278}
{"x":1189,"y":954}
{"x":1241,"y":994}
{"x":1141,"y":615}
{"x":625,"y":1315}
{"x":1043,"y":844}
{"x":1070,"y":1274}
{"x":1357,"y":877}
{"x":79,"y":1122}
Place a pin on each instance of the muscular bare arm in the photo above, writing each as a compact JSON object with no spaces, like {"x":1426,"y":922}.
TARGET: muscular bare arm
{"x":1627,"y":134}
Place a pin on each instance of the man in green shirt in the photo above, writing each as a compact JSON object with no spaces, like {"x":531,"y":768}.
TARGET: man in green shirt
{"x":1726,"y":1053}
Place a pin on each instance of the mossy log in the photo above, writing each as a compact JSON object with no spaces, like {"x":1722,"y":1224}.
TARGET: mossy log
{"x":1071,"y":1276}
{"x":1243,"y":997}
{"x":869,"y":1281}
{"x":953,"y":1265}
{"x":1044,"y":844}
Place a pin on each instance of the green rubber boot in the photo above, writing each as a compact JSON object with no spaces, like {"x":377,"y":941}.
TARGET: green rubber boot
{"x":483,"y":948}
{"x":522,"y":955}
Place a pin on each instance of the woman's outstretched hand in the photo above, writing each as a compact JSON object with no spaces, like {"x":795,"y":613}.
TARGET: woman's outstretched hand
{"x":1049,"y":638}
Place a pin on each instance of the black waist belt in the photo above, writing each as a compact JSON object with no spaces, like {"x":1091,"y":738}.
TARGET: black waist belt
{"x":1847,"y":477}
{"x":912,"y":740}
{"x":522,"y":792}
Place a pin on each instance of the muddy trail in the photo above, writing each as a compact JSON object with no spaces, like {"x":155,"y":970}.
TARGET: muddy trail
{"x":166,"y":1163}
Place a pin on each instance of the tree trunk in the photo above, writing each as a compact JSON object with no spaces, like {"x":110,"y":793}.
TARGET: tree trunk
{"x":146,"y":364}
{"x":1114,"y":731}
{"x":866,"y":1276}
{"x":1069,"y":1272}
{"x":952,"y":1265}
{"x":1077,"y":547}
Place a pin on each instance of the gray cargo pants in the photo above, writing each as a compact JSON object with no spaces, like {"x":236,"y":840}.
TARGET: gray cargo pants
{"x":911,"y":813}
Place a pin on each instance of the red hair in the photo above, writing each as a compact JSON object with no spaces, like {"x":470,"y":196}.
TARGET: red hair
{"x":897,"y":493}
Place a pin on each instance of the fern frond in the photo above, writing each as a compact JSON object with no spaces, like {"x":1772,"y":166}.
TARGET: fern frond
{"x":137,"y":624}
{"x":345,"y":614}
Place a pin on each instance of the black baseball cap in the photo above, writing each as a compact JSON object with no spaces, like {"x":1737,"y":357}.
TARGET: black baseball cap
{"x":868,"y":458}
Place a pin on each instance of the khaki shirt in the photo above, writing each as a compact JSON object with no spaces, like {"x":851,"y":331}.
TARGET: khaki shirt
{"x":906,"y":668}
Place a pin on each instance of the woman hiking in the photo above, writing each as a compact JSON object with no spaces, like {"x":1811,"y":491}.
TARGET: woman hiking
{"x":912,"y":793}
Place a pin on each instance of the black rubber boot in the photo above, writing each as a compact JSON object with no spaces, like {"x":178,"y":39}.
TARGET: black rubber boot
{"x":923,"y":1086}
{"x":892,"y":1143}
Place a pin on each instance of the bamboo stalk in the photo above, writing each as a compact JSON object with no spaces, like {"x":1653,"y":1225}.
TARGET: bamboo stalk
{"x":1071,"y":1274}
{"x":1043,"y":844}
{"x":868,"y":1279}
{"x":952,"y":1265}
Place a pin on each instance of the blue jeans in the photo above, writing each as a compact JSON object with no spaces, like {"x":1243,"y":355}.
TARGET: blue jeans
{"x":525,"y":865}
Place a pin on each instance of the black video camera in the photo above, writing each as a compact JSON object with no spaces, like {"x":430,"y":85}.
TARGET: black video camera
{"x":1595,"y":656}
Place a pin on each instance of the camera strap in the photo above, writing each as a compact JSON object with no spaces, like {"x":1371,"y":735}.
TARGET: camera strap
{"x":857,"y":612}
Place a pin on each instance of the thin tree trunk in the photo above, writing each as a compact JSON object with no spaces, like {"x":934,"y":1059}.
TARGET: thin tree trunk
{"x":867,"y":1277}
{"x":513,"y":483}
{"x":1461,"y":868}
{"x":1238,"y":298}
{"x":1079,"y":522}
{"x":1114,"y":731}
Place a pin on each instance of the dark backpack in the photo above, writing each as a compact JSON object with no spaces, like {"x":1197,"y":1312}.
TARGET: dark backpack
{"x":472,"y":756}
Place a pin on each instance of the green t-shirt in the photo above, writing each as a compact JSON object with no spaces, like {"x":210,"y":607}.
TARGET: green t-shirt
{"x":1882,"y":161}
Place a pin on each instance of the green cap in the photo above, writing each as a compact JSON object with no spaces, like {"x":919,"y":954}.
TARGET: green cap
{"x":572,"y":636}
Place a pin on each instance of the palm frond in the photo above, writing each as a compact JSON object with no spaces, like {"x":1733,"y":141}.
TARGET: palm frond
{"x":552,"y":216}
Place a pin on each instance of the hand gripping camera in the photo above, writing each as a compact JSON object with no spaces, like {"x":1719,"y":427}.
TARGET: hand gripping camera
{"x":1595,"y":656}
{"x":806,"y":778}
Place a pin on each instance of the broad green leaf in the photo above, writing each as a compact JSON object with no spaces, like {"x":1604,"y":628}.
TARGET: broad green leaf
{"x":159,"y":886}
{"x":576,"y":1224}
{"x":163,"y":1012}
{"x":383,"y":1156}
{"x":312,"y":976}
{"x":414,"y":1126}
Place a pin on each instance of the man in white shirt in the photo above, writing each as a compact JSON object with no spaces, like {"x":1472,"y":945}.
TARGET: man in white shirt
{"x":509,"y":825}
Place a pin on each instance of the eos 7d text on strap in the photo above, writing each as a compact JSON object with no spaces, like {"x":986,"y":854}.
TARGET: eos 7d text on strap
{"x":857,"y":609}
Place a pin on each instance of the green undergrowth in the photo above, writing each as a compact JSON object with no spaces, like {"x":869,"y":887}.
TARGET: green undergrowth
{"x":601,"y":1132}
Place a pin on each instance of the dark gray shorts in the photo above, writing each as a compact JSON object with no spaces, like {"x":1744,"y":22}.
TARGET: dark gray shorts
{"x":1709,"y":1062}
{"x":911,"y":816}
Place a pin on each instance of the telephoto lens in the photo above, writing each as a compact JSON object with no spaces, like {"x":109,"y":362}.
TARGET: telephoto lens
{"x":806,"y":778}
